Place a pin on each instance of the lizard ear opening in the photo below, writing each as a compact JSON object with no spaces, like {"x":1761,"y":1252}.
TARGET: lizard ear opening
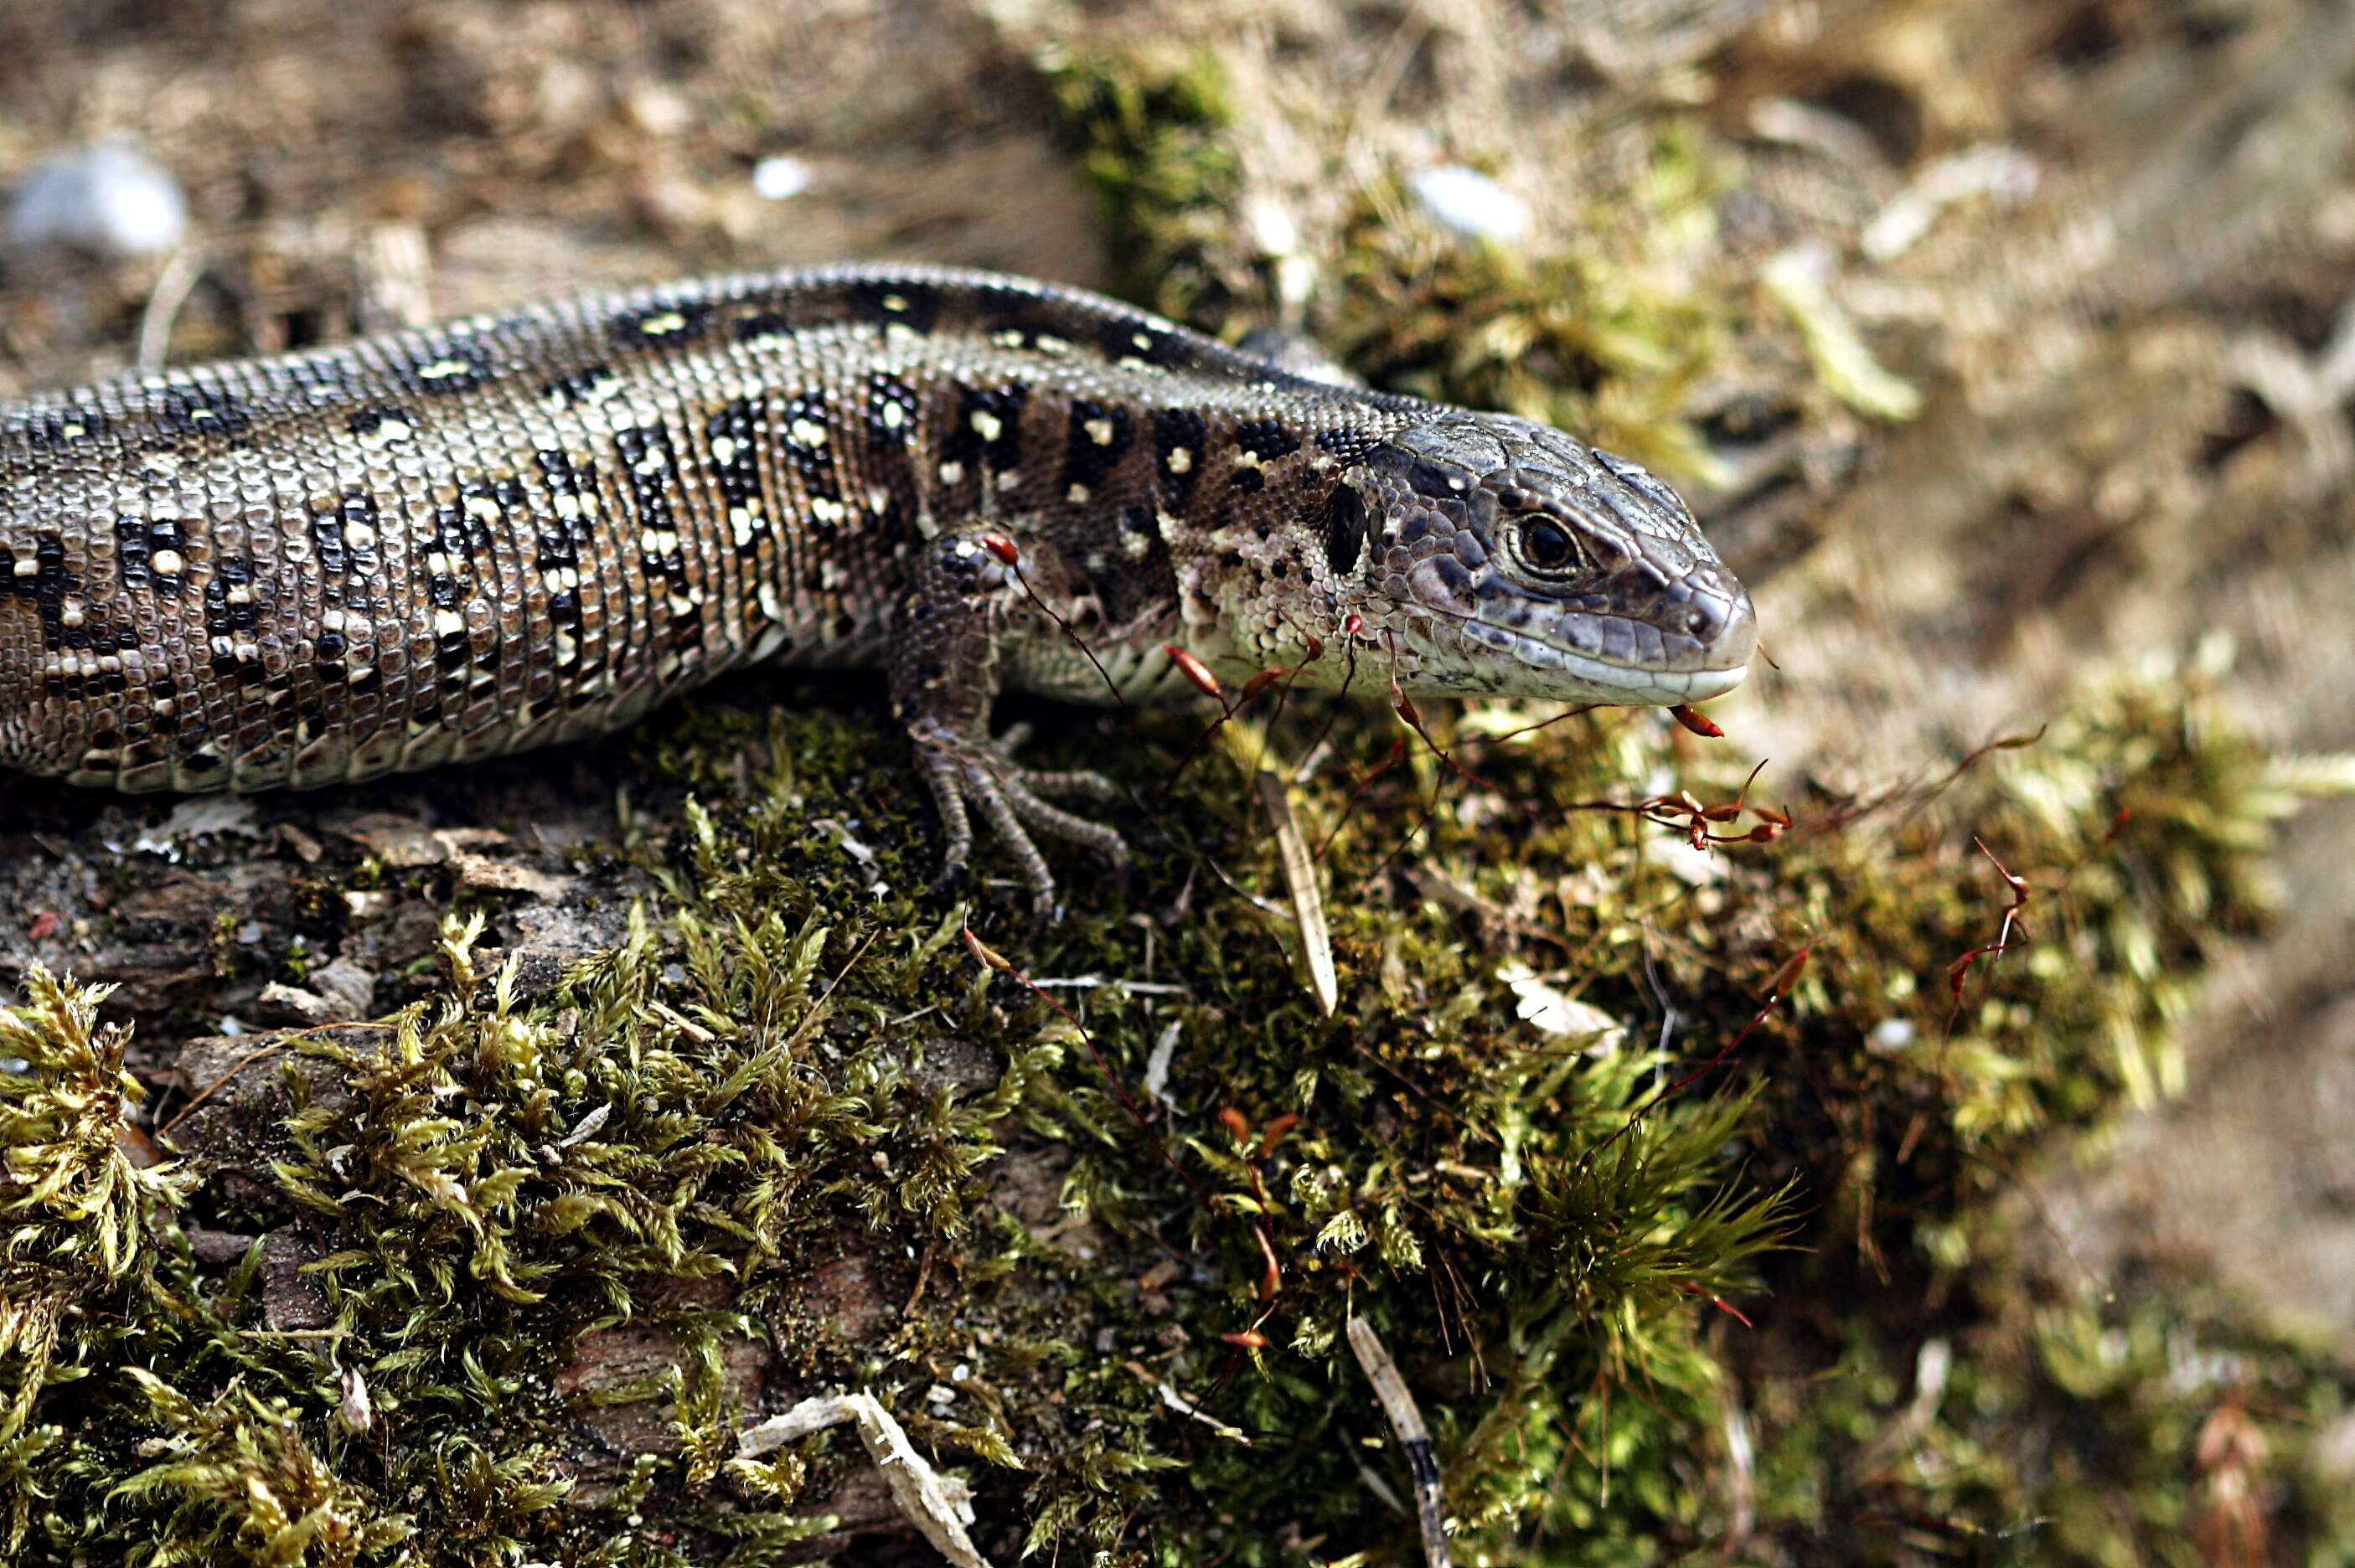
{"x":1345,"y":528}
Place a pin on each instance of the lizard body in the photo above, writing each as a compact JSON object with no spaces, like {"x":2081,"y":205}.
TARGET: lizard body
{"x":500,"y":533}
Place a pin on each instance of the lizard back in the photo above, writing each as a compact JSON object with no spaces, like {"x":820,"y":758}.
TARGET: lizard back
{"x":532,"y":526}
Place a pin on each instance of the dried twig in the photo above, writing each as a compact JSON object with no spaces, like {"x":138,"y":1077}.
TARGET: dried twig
{"x":172,"y":289}
{"x":937,"y":1505}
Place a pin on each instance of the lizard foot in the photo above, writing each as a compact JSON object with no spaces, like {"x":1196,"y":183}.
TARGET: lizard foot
{"x":969,"y":775}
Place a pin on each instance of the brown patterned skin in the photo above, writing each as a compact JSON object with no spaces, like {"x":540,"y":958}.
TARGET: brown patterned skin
{"x":418,"y":548}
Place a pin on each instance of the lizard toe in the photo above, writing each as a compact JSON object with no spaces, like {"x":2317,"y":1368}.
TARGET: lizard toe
{"x":1055,"y":822}
{"x":1084,"y":781}
{"x":970,"y":777}
{"x":1001,"y":806}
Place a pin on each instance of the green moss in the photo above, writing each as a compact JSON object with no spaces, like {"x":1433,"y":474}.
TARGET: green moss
{"x":1933,"y":1061}
{"x":793,"y":1055}
{"x":2075,"y":1434}
{"x":78,"y":1192}
{"x":244,"y":1482}
{"x":1154,"y":130}
{"x":1602,"y":334}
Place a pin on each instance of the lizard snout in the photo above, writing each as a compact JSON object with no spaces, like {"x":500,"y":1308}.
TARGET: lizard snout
{"x":1713,"y":612}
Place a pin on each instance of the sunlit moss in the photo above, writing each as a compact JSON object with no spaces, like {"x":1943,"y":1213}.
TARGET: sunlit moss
{"x":1155,"y":144}
{"x":244,"y":1482}
{"x":1602,"y":334}
{"x":1542,"y":1226}
{"x":79,"y":1189}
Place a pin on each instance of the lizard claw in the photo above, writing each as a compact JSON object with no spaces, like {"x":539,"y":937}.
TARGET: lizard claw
{"x":969,"y":776}
{"x":1039,"y":781}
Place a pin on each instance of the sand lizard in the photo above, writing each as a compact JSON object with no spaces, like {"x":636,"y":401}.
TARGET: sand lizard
{"x":522,"y":528}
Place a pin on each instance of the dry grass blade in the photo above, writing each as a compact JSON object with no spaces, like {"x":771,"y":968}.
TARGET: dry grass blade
{"x":1307,"y":895}
{"x":1406,"y":1420}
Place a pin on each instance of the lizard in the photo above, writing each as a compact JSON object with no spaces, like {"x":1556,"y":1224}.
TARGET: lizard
{"x":429,"y":546}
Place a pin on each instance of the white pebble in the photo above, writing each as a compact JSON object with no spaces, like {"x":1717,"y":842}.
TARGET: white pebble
{"x":104,"y":198}
{"x":781,"y":178}
{"x":1471,"y":203}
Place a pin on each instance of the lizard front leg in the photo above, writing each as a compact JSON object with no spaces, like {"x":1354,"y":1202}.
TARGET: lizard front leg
{"x":971,"y":601}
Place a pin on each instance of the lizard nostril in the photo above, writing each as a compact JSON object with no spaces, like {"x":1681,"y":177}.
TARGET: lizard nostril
{"x":1708,"y":619}
{"x":1731,"y":623}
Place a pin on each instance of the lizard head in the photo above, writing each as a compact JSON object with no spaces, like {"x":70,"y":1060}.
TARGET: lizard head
{"x":1501,"y":556}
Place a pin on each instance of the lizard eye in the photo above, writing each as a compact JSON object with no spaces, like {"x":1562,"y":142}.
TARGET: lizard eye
{"x":1547,"y":545}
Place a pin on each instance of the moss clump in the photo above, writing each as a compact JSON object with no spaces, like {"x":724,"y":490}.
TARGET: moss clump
{"x":1923,"y":1396}
{"x":1543,"y":1147}
{"x":79,"y":1189}
{"x":1155,"y":139}
{"x":1602,"y":334}
{"x":243,"y":1482}
{"x":2071,"y":1432}
{"x":741,"y":1088}
{"x":1949,"y":1024}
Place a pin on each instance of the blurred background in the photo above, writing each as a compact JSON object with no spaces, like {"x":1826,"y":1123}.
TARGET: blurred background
{"x":2004,"y":346}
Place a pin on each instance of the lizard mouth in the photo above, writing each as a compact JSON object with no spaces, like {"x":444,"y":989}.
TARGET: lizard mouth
{"x":1572,"y":676}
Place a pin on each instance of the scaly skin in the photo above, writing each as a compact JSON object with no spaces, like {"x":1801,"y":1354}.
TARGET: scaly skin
{"x":418,"y":548}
